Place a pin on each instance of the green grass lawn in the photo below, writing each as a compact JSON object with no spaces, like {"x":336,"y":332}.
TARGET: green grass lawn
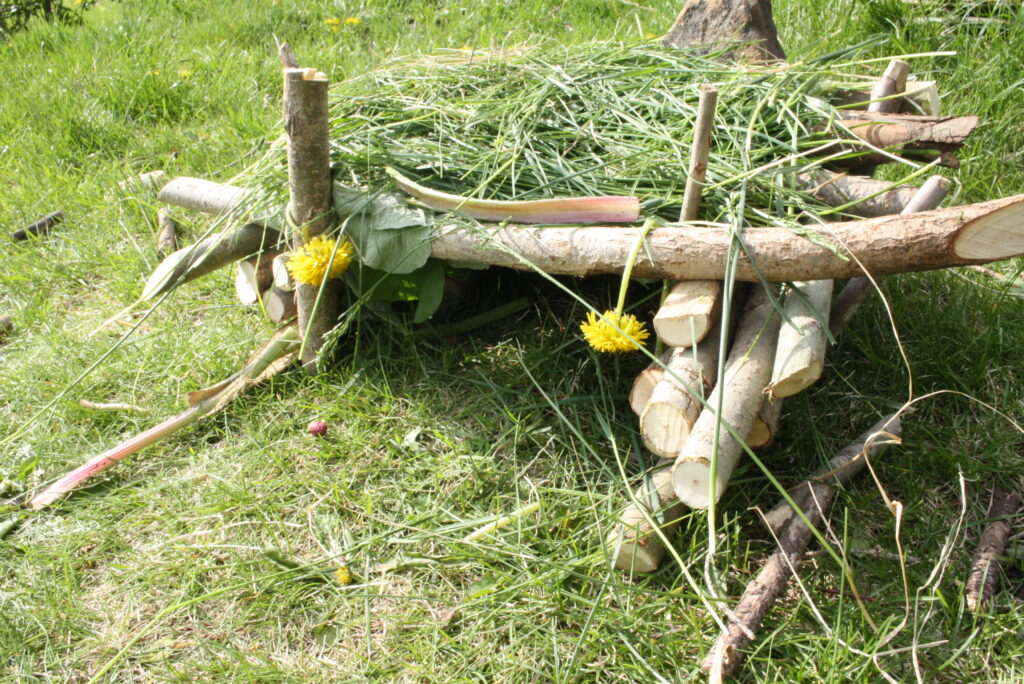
{"x":218,"y":555}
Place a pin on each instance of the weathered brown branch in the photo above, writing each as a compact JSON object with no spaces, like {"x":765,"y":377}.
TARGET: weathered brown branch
{"x":984,"y":578}
{"x":40,"y":227}
{"x":908,"y":134}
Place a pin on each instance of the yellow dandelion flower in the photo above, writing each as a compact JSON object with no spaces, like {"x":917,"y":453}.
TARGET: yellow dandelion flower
{"x":309,"y":264}
{"x":343,"y":575}
{"x":154,"y":72}
{"x":184,"y":73}
{"x":602,"y":334}
{"x":353,"y":21}
{"x":649,"y":35}
{"x":332,"y":21}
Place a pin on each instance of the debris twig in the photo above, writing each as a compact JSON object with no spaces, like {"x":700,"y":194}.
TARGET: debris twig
{"x":984,"y":578}
{"x":40,"y":227}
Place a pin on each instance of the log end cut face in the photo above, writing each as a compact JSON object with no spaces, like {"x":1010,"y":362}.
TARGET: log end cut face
{"x":996,"y":235}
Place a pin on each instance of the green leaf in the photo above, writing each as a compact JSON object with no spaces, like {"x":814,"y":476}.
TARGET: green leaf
{"x":389,"y":235}
{"x":430,"y":288}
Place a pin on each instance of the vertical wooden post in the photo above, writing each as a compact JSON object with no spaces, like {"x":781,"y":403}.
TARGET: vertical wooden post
{"x":309,"y":205}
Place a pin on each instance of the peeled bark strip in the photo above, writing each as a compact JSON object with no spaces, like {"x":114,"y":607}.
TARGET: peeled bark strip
{"x":207,"y":256}
{"x":279,"y":305}
{"x":892,"y":82}
{"x":309,"y":205}
{"x":687,"y":314}
{"x":984,"y":578}
{"x":253,"y":276}
{"x":200,"y":195}
{"x":747,"y":372}
{"x":956,"y":236}
{"x":40,"y":227}
{"x":842,"y":468}
{"x":675,"y":403}
{"x":714,"y":23}
{"x":762,"y":434}
{"x":644,"y":384}
{"x":858,"y":288}
{"x":837,"y":189}
{"x":800,"y":358}
{"x":167,"y":234}
{"x":634,"y":542}
{"x":761,"y":593}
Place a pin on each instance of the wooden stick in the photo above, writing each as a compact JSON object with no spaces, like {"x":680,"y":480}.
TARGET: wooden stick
{"x":762,"y":591}
{"x":837,"y":189}
{"x":815,"y":499}
{"x":909,"y":132}
{"x":206,"y":256}
{"x":858,"y":288}
{"x":40,"y":227}
{"x":849,"y":462}
{"x":201,"y":195}
{"x":309,"y":205}
{"x":892,"y":82}
{"x":633,"y":541}
{"x":800,"y":358}
{"x":167,"y":234}
{"x":766,"y":424}
{"x":675,"y":402}
{"x":147,"y":183}
{"x":747,"y":372}
{"x":984,"y":578}
{"x":957,"y":236}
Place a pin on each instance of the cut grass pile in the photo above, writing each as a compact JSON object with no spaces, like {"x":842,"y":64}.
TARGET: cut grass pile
{"x":183,"y":557}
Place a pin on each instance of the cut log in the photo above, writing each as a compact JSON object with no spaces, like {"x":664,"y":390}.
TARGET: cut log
{"x":688,"y":312}
{"x":814,"y":497}
{"x":167,"y":234}
{"x":633,"y":541}
{"x":956,"y":236}
{"x":253,"y":276}
{"x":282,"y":276}
{"x":766,"y":424}
{"x":279,"y":305}
{"x":40,"y":227}
{"x":712,"y":24}
{"x":800,"y":358}
{"x":200,"y":195}
{"x":984,"y":578}
{"x":309,"y":204}
{"x":858,"y":288}
{"x":838,"y":189}
{"x":676,"y":400}
{"x":892,"y":83}
{"x":644,"y":384}
{"x":747,"y":372}
{"x":206,"y":256}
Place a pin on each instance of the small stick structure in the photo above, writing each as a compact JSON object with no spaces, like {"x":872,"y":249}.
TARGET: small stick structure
{"x":984,"y":578}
